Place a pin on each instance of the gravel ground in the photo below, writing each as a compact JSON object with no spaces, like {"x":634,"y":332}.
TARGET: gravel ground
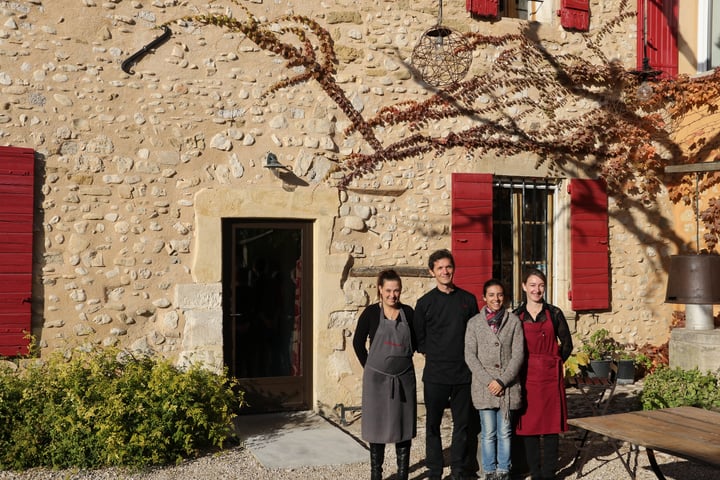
{"x":602,"y":463}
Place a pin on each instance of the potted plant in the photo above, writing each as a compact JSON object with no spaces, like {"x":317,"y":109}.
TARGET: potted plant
{"x":600,"y":349}
{"x":625,"y":361}
{"x":631,"y":364}
{"x":643,"y":364}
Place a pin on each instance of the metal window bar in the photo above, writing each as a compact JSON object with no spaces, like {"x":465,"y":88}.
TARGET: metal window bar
{"x":517,"y":9}
{"x":526,"y":214}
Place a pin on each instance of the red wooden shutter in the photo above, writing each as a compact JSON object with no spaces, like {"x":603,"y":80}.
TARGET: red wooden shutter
{"x":483,"y":8}
{"x":472,"y":208}
{"x":575,"y":14}
{"x":16,"y":221}
{"x":589,"y":262}
{"x":662,"y":33}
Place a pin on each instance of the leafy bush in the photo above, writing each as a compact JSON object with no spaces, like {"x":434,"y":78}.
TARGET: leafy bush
{"x":667,"y":387}
{"x":101,"y":409}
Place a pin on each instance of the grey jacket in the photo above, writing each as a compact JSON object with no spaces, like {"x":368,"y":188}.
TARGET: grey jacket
{"x":493,"y":356}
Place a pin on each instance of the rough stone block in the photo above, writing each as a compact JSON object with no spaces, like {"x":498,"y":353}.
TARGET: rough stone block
{"x":203,"y":328}
{"x":207,"y":296}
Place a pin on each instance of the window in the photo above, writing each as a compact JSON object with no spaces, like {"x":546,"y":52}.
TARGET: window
{"x":522,"y":230}
{"x":522,"y":9}
{"x":708,"y":35}
{"x":515,"y":8}
{"x":504,"y":225}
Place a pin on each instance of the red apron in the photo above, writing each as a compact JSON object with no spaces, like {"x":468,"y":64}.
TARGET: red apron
{"x":545,"y":409}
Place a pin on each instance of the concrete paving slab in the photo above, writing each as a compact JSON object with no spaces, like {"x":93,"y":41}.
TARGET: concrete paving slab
{"x":297,"y":439}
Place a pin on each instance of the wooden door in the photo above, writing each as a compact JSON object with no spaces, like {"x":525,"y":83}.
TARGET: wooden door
{"x":267,"y":326}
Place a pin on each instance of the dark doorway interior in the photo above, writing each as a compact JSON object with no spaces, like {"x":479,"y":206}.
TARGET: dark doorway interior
{"x":267,"y":327}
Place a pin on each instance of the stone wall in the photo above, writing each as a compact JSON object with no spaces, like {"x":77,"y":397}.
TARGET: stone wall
{"x":134,"y":172}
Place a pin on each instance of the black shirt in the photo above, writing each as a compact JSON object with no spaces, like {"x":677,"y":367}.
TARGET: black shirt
{"x":440,"y":321}
{"x":367,"y":326}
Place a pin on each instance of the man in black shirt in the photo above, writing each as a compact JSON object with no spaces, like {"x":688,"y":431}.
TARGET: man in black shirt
{"x":441,"y":316}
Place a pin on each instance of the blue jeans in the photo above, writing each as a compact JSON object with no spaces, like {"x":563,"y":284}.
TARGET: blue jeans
{"x":496,"y":431}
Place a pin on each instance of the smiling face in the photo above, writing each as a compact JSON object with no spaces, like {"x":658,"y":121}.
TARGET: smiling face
{"x":443,"y":271}
{"x":494,"y":297}
{"x":389,"y":293}
{"x":534,"y":288}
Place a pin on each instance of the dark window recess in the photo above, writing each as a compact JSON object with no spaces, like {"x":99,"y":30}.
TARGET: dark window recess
{"x":522,"y":230}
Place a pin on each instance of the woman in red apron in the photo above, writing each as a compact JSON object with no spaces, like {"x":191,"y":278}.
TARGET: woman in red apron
{"x":389,"y":403}
{"x":548,"y":344}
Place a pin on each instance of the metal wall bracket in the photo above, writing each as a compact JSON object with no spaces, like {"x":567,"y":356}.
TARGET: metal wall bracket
{"x":133,"y":59}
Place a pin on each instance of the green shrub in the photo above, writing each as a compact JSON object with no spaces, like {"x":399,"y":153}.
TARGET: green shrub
{"x":667,"y":387}
{"x":100,"y":409}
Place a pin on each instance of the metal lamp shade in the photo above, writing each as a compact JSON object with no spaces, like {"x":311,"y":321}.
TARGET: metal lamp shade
{"x":694,"y":279}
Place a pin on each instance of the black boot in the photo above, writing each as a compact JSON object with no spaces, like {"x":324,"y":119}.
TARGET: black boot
{"x":532,"y":456}
{"x":402,"y":450}
{"x":377,"y":457}
{"x":551,"y":445}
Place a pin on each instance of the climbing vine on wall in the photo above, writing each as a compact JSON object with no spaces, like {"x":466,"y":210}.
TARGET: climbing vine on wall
{"x":519,"y":104}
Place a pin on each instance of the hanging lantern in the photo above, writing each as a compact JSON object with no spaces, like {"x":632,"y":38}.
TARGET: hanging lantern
{"x":694,"y":281}
{"x":442,"y":56}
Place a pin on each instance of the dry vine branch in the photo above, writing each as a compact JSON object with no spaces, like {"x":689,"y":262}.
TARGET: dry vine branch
{"x":627,"y":142}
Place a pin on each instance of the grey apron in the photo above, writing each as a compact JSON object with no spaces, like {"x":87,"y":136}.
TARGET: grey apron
{"x":389,"y":405}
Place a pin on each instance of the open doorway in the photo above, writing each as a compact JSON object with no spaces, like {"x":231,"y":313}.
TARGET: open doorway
{"x":267,"y":315}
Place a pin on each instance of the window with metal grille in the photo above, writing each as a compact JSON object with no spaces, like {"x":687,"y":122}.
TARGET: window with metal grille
{"x":515,"y":8}
{"x":709,"y":57}
{"x":522,"y":231}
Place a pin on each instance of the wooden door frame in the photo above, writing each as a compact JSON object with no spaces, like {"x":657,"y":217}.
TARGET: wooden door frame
{"x":280,"y":398}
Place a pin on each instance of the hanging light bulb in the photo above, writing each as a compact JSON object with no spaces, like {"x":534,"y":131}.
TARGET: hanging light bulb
{"x":645,"y":91}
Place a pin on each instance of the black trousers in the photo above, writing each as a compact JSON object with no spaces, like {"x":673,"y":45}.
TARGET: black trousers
{"x":465,"y":425}
{"x":542,"y":460}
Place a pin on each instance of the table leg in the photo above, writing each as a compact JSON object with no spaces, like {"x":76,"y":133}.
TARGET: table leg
{"x":654,"y":465}
{"x":580,"y":450}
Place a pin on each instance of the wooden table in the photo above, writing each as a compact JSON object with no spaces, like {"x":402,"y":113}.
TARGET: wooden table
{"x":687,"y":432}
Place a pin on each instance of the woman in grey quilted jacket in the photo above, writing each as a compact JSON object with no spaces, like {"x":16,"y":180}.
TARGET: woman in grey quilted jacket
{"x":494,"y":351}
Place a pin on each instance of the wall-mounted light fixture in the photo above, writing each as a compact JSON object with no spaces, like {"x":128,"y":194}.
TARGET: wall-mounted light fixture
{"x":694,"y":280}
{"x":271,"y":161}
{"x":646,"y":74}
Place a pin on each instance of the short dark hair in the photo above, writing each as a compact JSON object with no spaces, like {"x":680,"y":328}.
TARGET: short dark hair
{"x":439,"y":255}
{"x":535,"y":272}
{"x":492,"y":282}
{"x":388,"y":275}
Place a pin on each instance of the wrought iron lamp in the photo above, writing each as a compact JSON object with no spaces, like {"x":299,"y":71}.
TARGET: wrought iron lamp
{"x":442,"y":56}
{"x":271,"y":161}
{"x":646,"y":74}
{"x":694,"y":280}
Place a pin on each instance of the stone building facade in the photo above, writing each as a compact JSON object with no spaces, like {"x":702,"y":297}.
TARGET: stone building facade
{"x":135,"y":174}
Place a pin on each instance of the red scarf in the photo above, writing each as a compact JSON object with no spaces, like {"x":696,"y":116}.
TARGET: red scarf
{"x":494,"y":318}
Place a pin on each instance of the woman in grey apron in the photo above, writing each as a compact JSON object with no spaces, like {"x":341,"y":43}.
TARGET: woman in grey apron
{"x":389,"y":404}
